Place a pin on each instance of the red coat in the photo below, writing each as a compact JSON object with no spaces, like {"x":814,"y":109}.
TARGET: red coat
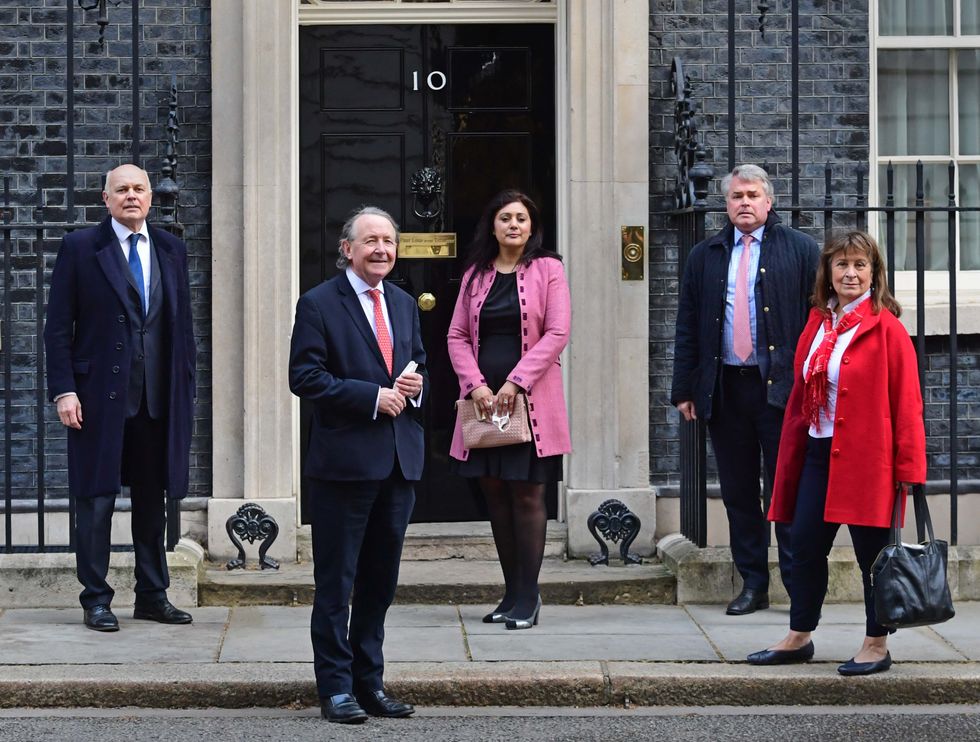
{"x":545,"y":323}
{"x":879,"y":434}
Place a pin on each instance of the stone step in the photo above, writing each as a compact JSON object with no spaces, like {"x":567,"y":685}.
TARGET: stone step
{"x":462,"y":581}
{"x":469,"y":540}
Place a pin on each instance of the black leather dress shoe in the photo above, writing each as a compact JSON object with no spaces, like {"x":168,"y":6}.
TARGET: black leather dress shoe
{"x":342,"y":709}
{"x":748,"y":601}
{"x":865,"y":668}
{"x":377,"y":703}
{"x":781,"y":656}
{"x":162,"y":611}
{"x":101,"y":618}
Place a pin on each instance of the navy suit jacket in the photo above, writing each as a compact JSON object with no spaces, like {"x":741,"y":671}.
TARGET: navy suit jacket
{"x":335,"y":363}
{"x":89,"y":344}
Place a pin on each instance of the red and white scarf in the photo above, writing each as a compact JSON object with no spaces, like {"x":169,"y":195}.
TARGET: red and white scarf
{"x":816,"y":383}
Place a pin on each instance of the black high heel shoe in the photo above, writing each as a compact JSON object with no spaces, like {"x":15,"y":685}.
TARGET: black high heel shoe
{"x":525,"y":623}
{"x":495,"y":617}
{"x":499,"y":614}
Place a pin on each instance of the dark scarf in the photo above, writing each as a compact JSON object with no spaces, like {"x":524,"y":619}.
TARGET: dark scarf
{"x":815,"y":391}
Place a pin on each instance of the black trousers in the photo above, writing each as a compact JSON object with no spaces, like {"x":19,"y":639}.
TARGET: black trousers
{"x":742,"y":425}
{"x":358,"y":530}
{"x":812,"y":539}
{"x":144,"y":451}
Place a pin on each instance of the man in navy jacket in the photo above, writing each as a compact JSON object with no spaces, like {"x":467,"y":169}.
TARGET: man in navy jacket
{"x":738,"y":377}
{"x":120,"y":354}
{"x":356,"y":354}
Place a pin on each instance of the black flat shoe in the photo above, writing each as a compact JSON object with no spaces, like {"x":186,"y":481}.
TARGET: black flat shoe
{"x":101,"y":618}
{"x":748,"y":601}
{"x":342,"y":708}
{"x":865,"y":668}
{"x":162,"y":611}
{"x":377,"y":703}
{"x":782,"y":656}
{"x":514,"y":622}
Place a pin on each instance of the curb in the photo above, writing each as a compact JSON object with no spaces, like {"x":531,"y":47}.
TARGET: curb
{"x":585,"y":683}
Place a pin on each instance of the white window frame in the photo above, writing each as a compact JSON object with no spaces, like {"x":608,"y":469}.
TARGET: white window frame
{"x":936,"y":282}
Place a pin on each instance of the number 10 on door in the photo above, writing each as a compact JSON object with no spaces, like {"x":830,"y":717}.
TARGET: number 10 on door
{"x":435,"y":80}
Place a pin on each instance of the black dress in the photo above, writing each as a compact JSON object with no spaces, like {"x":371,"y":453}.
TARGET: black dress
{"x":500,"y":351}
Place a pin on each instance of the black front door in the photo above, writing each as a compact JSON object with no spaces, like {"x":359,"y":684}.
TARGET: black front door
{"x":472,"y":103}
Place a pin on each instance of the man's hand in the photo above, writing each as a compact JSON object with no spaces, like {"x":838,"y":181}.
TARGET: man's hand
{"x":409,"y":385}
{"x":391,"y":402}
{"x":687,"y":410}
{"x":70,"y":411}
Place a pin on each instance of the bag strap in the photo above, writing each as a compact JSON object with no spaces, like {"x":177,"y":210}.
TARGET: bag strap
{"x":923,"y":521}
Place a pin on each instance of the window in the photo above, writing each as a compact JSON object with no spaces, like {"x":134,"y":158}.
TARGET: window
{"x":926,"y":63}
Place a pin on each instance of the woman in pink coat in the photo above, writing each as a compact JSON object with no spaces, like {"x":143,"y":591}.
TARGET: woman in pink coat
{"x":510,"y":324}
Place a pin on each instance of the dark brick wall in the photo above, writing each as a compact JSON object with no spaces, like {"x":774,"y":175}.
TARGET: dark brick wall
{"x":174,"y":40}
{"x":834,"y":127}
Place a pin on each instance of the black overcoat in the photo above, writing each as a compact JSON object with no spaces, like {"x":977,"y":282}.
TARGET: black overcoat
{"x":88,"y":341}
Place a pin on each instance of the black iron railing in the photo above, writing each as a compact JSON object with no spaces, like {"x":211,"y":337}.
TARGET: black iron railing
{"x":34,"y":474}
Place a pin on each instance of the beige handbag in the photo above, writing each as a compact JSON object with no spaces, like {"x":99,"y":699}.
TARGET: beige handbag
{"x":482,"y":431}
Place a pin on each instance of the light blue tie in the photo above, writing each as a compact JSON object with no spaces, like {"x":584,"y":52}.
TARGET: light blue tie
{"x":136,"y":268}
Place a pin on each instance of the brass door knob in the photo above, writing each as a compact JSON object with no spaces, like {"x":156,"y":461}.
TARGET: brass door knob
{"x":427,"y":302}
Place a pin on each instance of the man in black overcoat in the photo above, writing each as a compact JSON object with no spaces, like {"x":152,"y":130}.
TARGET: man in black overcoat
{"x":744,"y":299}
{"x":120,"y":355}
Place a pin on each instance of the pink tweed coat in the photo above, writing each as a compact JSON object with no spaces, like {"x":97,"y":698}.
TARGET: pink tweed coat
{"x":546,"y":314}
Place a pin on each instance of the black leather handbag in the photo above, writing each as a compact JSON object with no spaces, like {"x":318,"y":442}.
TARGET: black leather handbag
{"x":908,"y":581}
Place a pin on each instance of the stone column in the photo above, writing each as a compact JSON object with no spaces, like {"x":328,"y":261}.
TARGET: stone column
{"x":607,"y":357}
{"x":254,"y":268}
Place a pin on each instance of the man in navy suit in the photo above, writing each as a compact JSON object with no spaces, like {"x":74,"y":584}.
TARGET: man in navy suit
{"x":356,"y":354}
{"x":120,"y":360}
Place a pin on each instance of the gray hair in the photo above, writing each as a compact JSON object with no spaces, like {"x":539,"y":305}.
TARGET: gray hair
{"x":347,"y":231}
{"x":108,"y":175}
{"x":752,"y":173}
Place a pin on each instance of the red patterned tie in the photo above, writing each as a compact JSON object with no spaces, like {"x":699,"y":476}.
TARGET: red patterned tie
{"x":381,"y":329}
{"x":741,"y":328}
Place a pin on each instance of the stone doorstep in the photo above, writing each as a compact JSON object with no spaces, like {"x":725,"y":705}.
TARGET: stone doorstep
{"x":49,"y":581}
{"x":708,"y":576}
{"x":469,"y":540}
{"x":455,"y":581}
{"x":581,"y":683}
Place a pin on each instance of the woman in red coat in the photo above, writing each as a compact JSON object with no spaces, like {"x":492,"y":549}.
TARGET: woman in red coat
{"x":510,"y":324}
{"x":852,"y":433}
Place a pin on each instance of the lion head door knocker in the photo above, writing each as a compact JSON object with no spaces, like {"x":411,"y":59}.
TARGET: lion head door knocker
{"x":252,"y":523}
{"x":426,"y":187}
{"x":616,"y":522}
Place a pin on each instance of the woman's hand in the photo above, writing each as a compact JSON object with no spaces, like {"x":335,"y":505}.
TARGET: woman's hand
{"x":483,"y":398}
{"x":507,"y":398}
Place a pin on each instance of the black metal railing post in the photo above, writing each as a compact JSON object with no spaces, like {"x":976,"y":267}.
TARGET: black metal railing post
{"x":8,"y":482}
{"x":952,"y":267}
{"x":920,"y":273}
{"x":39,"y":386}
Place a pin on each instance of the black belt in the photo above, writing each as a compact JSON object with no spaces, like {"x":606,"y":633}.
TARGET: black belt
{"x":740,"y":370}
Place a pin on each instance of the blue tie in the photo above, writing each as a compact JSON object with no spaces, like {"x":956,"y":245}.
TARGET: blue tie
{"x":136,"y":268}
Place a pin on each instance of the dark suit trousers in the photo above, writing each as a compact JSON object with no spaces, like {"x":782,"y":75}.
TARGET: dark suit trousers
{"x":144,"y":449}
{"x":812,"y":539}
{"x":743,"y":424}
{"x":358,"y":530}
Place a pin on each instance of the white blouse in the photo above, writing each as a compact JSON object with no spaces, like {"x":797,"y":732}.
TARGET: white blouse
{"x":826,"y":414}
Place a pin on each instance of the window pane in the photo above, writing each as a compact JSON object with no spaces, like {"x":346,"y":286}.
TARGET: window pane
{"x":969,"y":220}
{"x":970,"y":17}
{"x":916,"y":17}
{"x":913,"y":102}
{"x":969,"y":100}
{"x":936,"y":231}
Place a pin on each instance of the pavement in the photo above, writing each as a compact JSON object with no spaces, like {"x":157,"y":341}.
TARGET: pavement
{"x":442,"y":654}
